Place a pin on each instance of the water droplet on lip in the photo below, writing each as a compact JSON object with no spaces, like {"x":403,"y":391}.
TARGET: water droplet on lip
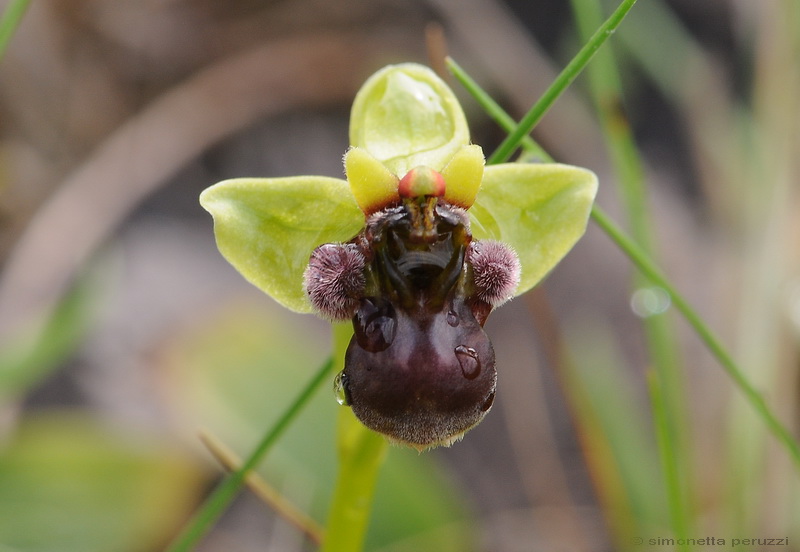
{"x":469,"y":361}
{"x":452,"y":318}
{"x":341,"y":390}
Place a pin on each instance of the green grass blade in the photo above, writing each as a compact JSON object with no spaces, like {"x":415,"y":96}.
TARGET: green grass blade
{"x":616,"y":439}
{"x":564,"y":79}
{"x":232,"y":484}
{"x":31,"y":354}
{"x":651,"y":271}
{"x":668,"y":396}
{"x":494,"y":110}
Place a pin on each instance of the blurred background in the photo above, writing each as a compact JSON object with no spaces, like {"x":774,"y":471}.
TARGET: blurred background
{"x":123,"y":332}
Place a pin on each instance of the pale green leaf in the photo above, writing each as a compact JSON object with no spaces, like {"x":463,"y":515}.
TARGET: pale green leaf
{"x":405,"y":116}
{"x":268,"y":227}
{"x":540,"y":210}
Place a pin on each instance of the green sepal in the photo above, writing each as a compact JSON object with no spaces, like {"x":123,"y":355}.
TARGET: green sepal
{"x":540,"y":210}
{"x":268,"y":227}
{"x":405,"y":116}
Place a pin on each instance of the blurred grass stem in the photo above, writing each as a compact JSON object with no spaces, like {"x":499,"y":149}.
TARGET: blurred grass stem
{"x":226,"y":491}
{"x":745,"y":146}
{"x":564,"y":79}
{"x":649,"y":269}
{"x":652,"y":272}
{"x":10,"y":21}
{"x":268,"y":494}
{"x":667,"y":389}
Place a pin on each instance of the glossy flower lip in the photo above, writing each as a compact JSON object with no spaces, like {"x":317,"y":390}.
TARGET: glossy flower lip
{"x":267,"y":228}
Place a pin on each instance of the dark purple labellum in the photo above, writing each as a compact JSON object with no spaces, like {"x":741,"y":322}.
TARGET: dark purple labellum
{"x":419,"y":368}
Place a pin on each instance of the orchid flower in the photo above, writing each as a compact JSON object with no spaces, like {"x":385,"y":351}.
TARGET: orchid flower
{"x":416,"y":248}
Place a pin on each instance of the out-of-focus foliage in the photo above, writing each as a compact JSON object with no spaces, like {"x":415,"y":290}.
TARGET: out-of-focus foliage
{"x":70,"y":484}
{"x":719,"y":137}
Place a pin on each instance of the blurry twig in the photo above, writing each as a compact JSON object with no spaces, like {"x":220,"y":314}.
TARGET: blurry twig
{"x":264,"y":490}
{"x":436,"y":44}
{"x":216,"y":503}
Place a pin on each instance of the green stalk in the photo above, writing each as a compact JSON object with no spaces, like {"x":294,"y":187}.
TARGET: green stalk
{"x":226,"y":491}
{"x":10,"y":21}
{"x":564,"y":79}
{"x":361,"y":455}
{"x":654,"y":274}
{"x":667,"y":389}
{"x":494,"y":110}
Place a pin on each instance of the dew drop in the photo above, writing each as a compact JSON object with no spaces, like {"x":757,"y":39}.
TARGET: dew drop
{"x":487,"y":404}
{"x":469,"y":361}
{"x":452,"y":318}
{"x":341,"y":390}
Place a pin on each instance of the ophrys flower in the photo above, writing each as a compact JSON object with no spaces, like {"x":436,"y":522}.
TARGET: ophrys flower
{"x":416,"y":248}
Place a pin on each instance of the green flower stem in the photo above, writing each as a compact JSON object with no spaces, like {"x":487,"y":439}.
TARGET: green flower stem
{"x":572,"y":70}
{"x":361,"y":455}
{"x":652,"y":272}
{"x":668,"y":388}
{"x":10,"y":21}
{"x":222,"y":496}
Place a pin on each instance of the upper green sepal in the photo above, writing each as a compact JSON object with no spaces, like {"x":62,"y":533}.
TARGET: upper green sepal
{"x":405,"y":116}
{"x":268,"y":227}
{"x":540,"y":210}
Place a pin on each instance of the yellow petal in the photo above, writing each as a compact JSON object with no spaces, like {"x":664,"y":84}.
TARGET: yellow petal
{"x":463,"y":176}
{"x":372,"y":184}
